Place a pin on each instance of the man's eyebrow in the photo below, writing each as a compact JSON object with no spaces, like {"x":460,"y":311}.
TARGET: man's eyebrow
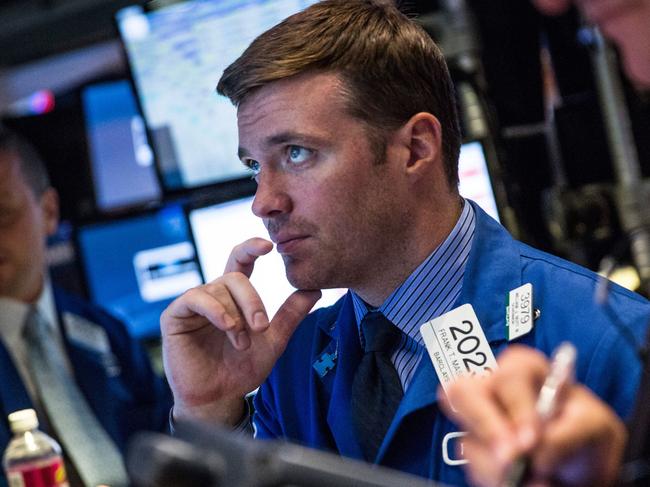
{"x":283,"y":138}
{"x":294,"y":137}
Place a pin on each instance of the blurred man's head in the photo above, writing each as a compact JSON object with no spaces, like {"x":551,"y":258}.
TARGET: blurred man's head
{"x":28,"y":215}
{"x":625,"y":22}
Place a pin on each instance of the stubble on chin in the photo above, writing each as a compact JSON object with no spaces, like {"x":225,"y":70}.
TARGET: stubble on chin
{"x":301,"y":275}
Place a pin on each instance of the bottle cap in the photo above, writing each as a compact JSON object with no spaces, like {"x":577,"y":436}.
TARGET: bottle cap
{"x":23,"y":420}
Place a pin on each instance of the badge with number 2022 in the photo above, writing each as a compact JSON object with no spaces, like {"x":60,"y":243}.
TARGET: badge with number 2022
{"x":457,"y":345}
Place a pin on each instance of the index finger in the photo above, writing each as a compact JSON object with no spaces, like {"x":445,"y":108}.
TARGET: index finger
{"x":243,"y":256}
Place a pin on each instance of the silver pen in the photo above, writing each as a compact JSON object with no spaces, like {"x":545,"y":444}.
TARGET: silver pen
{"x":560,"y":374}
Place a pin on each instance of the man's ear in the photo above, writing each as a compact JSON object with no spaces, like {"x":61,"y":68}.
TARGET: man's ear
{"x":423,"y":136}
{"x":49,"y":203}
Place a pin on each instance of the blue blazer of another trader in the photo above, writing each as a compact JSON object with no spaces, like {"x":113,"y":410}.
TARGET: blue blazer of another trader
{"x":117,"y":380}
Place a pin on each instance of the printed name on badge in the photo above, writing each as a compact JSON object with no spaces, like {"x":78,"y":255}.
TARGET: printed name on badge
{"x":457,"y":345}
{"x":519,"y":312}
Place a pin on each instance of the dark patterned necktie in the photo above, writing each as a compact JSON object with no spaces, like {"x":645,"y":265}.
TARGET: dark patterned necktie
{"x":376,"y":389}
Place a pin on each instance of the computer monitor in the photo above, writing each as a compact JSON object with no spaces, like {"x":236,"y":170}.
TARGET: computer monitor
{"x":211,"y":456}
{"x":121,"y":159}
{"x":135,"y":266}
{"x":475,"y":182}
{"x":177,"y":54}
{"x":218,"y":228}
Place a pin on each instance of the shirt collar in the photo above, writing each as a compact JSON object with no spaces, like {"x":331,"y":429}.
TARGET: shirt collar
{"x":46,"y":305}
{"x":424,"y":294}
{"x":14,"y":312}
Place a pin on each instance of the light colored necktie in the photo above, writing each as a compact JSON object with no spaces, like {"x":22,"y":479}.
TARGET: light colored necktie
{"x":92,"y":452}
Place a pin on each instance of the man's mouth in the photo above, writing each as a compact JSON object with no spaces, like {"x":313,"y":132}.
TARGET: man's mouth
{"x":287,"y":244}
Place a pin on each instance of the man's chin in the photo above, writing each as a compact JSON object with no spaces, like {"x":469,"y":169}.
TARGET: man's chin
{"x":306,"y":279}
{"x":304,"y":284}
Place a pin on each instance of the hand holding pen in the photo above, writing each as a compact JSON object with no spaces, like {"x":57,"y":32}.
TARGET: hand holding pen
{"x":579,"y":442}
{"x":560,"y":377}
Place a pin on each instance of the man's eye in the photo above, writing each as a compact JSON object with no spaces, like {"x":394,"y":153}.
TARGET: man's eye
{"x":253,"y":165}
{"x":299,"y":154}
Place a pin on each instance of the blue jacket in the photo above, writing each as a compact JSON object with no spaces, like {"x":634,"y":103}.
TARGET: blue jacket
{"x":118,"y":381}
{"x":296,"y":403}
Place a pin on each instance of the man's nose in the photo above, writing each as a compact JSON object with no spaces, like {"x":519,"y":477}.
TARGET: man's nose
{"x":272,"y":197}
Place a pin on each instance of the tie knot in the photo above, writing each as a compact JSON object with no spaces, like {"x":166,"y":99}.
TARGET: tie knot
{"x":380,"y":335}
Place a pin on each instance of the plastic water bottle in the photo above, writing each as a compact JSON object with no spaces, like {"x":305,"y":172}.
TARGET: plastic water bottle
{"x":32,"y":459}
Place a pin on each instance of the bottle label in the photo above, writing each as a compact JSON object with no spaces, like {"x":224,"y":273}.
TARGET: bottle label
{"x":49,"y":473}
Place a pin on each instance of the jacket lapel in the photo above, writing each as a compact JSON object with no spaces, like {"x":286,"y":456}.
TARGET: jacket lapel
{"x":12,"y":393}
{"x":90,"y":366}
{"x":349,"y":355}
{"x":422,"y":393}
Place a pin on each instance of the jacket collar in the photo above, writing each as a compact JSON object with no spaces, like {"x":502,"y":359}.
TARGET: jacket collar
{"x":91,"y":365}
{"x":344,"y":332}
{"x":494,"y":268}
{"x":13,"y":395}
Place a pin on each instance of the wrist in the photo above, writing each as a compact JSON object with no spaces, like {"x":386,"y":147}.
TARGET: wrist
{"x":227,"y":412}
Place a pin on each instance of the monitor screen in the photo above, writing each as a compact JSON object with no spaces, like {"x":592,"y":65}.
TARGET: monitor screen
{"x":218,"y":228}
{"x":177,"y":54}
{"x":475,"y":182}
{"x":136,"y":266}
{"x":120,"y":156}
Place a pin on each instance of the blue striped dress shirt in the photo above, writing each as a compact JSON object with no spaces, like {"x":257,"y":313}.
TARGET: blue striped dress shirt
{"x":430,"y":291}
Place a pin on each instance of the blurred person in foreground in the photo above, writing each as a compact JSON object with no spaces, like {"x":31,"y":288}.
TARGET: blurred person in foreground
{"x":624,"y":22}
{"x":583,"y":444}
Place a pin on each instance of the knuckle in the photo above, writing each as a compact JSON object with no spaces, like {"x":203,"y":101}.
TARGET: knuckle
{"x":216,"y":288}
{"x":189,"y":294}
{"x":192,"y":293}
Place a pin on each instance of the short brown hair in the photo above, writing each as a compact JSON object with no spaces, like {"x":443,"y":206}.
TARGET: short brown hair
{"x":392,"y":68}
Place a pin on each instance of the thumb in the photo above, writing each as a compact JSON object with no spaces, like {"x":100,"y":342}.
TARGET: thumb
{"x":291,"y":313}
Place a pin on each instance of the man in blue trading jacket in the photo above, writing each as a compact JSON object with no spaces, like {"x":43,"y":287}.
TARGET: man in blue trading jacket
{"x":347,"y":118}
{"x":109,"y":367}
